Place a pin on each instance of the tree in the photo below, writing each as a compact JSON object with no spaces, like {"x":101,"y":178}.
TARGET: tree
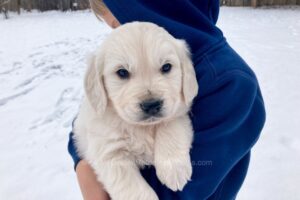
{"x":4,"y":7}
{"x":19,"y":6}
{"x":254,"y":3}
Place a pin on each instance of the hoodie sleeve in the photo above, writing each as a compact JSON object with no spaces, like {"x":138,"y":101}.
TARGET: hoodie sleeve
{"x":228,"y":115}
{"x":72,"y":150}
{"x":227,"y":123}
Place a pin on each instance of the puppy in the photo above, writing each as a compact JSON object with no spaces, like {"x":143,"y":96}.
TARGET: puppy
{"x":139,"y":87}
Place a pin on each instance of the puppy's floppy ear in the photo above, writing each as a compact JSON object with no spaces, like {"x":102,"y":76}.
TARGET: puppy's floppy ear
{"x":189,"y":81}
{"x":94,"y":85}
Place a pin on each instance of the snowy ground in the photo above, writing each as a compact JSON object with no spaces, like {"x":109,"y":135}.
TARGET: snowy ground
{"x":42,"y":60}
{"x":269,"y":40}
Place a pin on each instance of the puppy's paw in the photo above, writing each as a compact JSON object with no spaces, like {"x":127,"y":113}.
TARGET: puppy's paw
{"x":143,"y":194}
{"x":174,"y":173}
{"x":151,"y":195}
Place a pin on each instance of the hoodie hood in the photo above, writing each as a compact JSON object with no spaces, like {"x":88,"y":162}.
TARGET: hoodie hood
{"x":191,"y":20}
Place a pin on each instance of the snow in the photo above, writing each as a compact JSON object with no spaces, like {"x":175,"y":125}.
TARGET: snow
{"x":269,"y":40}
{"x":42,"y":61}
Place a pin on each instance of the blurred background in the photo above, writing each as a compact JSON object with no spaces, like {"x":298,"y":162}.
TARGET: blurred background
{"x":43,"y":49}
{"x":65,"y":5}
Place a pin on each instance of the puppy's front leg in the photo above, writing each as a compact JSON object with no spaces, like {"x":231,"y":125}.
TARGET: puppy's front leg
{"x":172,"y":158}
{"x":122,"y":179}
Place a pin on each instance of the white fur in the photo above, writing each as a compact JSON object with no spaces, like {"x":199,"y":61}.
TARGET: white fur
{"x":109,"y":131}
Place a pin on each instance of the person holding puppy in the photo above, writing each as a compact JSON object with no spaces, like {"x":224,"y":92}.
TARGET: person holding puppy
{"x":227,"y":115}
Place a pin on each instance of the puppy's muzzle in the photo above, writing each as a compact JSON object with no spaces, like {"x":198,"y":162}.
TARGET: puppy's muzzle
{"x":152,"y":107}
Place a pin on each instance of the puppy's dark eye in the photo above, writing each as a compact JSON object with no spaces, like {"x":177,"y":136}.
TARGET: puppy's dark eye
{"x":166,"y":68}
{"x":123,"y":73}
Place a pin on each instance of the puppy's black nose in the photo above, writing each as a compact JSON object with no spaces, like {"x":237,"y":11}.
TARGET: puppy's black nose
{"x":151,"y":106}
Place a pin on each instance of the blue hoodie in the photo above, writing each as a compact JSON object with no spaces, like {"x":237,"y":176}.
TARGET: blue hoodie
{"x":228,"y":113}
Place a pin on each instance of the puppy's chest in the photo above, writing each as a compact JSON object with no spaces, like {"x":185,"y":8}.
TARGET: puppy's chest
{"x":140,"y":144}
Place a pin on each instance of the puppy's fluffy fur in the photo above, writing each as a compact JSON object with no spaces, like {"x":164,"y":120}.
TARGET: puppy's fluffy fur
{"x":114,"y":134}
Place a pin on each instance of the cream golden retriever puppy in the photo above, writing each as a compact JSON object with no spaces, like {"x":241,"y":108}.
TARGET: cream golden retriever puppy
{"x":139,"y":87}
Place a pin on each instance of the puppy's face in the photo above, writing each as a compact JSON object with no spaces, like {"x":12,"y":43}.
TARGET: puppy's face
{"x":145,"y":74}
